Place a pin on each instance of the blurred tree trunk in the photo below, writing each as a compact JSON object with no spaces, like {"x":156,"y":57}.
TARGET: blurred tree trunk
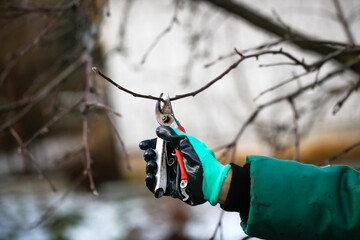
{"x":39,"y":41}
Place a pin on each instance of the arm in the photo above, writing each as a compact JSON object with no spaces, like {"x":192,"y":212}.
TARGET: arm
{"x":290,"y":200}
{"x":276,"y":199}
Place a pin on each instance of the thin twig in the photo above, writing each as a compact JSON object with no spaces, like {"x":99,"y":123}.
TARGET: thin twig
{"x":134,"y":94}
{"x":250,"y":120}
{"x":321,"y":42}
{"x":88,"y":81}
{"x":277,"y":52}
{"x":254,"y":17}
{"x":316,"y":77}
{"x":340,"y":103}
{"x":27,"y":155}
{"x":49,"y":211}
{"x":232,"y":54}
{"x":335,"y":54}
{"x":346,"y":150}
{"x":177,"y":97}
{"x":103,"y":106}
{"x":122,"y":144}
{"x":278,"y":64}
{"x":312,"y":67}
{"x":291,"y":95}
{"x":218,"y":225}
{"x":234,"y":65}
{"x":68,"y":155}
{"x":192,"y":94}
{"x":164,"y":32}
{"x":246,"y":238}
{"x":278,"y":18}
{"x":309,"y":86}
{"x":353,"y":15}
{"x":226,"y":150}
{"x":56,"y":118}
{"x":281,"y":84}
{"x":220,"y":58}
{"x":15,"y":104}
{"x":123,"y":25}
{"x":340,"y":15}
{"x":295,"y":129}
{"x":87,"y":170}
{"x":307,"y":68}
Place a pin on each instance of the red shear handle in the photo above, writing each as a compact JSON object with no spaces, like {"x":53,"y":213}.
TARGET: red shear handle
{"x":180,"y":160}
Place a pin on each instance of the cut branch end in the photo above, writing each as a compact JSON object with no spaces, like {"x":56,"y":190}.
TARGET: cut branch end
{"x":95,"y":70}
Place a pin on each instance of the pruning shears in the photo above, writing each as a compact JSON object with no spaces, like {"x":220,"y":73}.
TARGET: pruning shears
{"x":165,"y":117}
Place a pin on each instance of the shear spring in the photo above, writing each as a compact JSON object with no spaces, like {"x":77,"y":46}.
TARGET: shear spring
{"x":170,"y":161}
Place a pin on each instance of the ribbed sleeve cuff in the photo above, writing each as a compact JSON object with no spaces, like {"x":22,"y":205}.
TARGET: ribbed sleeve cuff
{"x":238,"y":198}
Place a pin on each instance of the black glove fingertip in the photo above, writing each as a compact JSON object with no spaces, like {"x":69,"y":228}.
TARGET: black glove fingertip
{"x":149,"y":154}
{"x":151,"y":167}
{"x":168,"y":134}
{"x":148,"y":143}
{"x":150,"y":182}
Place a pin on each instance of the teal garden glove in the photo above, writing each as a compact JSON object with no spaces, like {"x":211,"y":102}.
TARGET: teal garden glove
{"x":205,"y":174}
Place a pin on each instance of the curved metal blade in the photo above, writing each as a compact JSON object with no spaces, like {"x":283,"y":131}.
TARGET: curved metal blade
{"x":163,"y":111}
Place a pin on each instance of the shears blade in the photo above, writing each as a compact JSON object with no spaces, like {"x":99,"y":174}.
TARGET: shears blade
{"x":164,"y":112}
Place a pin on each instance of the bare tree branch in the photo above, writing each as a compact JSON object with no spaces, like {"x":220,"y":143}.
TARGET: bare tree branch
{"x":315,"y":66}
{"x":343,"y":21}
{"x":275,"y":43}
{"x":233,"y":53}
{"x":41,"y":94}
{"x":246,"y":238}
{"x":281,"y":84}
{"x":122,"y":144}
{"x":316,"y":77}
{"x":291,"y":95}
{"x":340,"y":103}
{"x":103,"y":106}
{"x":218,"y":225}
{"x":307,"y":67}
{"x":56,"y":118}
{"x":123,"y":25}
{"x":346,"y":150}
{"x":278,"y":18}
{"x":15,"y":104}
{"x":235,"y":64}
{"x":296,"y":131}
{"x":265,"y":23}
{"x":97,"y":71}
{"x":88,"y":82}
{"x":28,"y":156}
{"x":164,"y":32}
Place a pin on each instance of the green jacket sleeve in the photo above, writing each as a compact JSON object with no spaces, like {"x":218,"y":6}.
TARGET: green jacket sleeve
{"x":290,"y":200}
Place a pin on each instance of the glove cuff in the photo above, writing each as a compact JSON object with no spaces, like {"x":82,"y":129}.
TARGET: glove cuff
{"x":213,"y":177}
{"x":214,"y":173}
{"x":238,"y":198}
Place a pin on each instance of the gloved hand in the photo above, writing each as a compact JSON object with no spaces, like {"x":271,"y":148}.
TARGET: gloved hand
{"x":205,"y":174}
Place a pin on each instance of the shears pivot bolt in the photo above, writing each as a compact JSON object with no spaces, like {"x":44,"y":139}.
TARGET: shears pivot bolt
{"x":164,"y":118}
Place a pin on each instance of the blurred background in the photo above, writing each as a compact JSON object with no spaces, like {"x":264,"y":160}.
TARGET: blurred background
{"x":70,"y":167}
